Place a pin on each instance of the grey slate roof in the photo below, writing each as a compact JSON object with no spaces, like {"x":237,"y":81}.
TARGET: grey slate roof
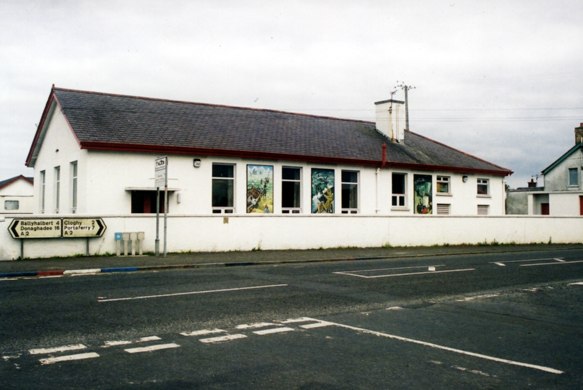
{"x":118,"y":122}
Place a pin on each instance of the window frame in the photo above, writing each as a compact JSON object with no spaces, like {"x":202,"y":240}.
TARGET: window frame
{"x":483,"y":209}
{"x":43,"y":187}
{"x":397,"y":196}
{"x":441,"y":180}
{"x":57,"y":179}
{"x":13,"y":202}
{"x":569,"y":182}
{"x":348,"y":185}
{"x":74,"y":171}
{"x":223,"y":209}
{"x":298,"y":182}
{"x":481,"y":182}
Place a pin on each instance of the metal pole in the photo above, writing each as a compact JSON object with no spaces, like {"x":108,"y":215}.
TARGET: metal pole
{"x":165,"y":217}
{"x":157,"y":242}
{"x":406,"y":88}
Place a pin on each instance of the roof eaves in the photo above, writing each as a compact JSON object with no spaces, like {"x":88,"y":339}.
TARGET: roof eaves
{"x":40,"y":130}
{"x":562,"y":158}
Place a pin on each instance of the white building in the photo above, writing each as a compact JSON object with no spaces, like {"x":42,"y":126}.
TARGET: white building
{"x":16,"y":195}
{"x":93,"y":153}
{"x":562,"y":193}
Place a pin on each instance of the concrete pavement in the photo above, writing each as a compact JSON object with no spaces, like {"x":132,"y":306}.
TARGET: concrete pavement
{"x":102,"y":264}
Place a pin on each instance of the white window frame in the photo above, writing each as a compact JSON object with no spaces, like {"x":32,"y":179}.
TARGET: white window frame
{"x":224,"y":209}
{"x":349,"y":210}
{"x":57,"y":178}
{"x":291,"y":210}
{"x":569,"y":182}
{"x":43,"y":187}
{"x":74,"y":171}
{"x":483,"y":182}
{"x":442,"y":179}
{"x":398,"y":197}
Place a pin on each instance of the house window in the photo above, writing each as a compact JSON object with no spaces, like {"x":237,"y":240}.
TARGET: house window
{"x":442,"y":187}
{"x":443,"y":208}
{"x":291,"y":190}
{"x":57,"y":188}
{"x":399,"y":189}
{"x":42,"y":190}
{"x":144,"y":202}
{"x":223,"y":188}
{"x":11,"y":205}
{"x":74,"y":187}
{"x":483,"y":209}
{"x":483,"y":187}
{"x":349,"y":192}
{"x":573,"y":177}
{"x":322,"y":191}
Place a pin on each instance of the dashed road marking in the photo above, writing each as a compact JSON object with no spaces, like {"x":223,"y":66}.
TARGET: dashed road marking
{"x":222,"y":339}
{"x":404,"y":274}
{"x":273,"y":330}
{"x":554,"y":263}
{"x":68,"y":358}
{"x":256,"y":325}
{"x":152,"y":348}
{"x":116,"y":343}
{"x":64,"y":348}
{"x":203,"y":332}
{"x":473,"y":298}
{"x":321,"y":324}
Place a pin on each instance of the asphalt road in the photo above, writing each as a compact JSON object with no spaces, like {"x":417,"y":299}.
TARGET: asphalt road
{"x":483,"y":321}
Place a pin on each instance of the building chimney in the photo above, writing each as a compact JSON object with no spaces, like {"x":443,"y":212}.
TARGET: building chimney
{"x":532,"y":183}
{"x":390,"y":119}
{"x":579,"y":134}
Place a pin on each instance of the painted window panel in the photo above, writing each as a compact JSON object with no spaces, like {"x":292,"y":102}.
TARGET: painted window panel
{"x":423,"y":194}
{"x":322,"y":191}
{"x":260,"y":189}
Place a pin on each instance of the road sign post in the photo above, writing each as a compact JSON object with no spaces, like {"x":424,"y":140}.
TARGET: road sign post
{"x":161,"y":179}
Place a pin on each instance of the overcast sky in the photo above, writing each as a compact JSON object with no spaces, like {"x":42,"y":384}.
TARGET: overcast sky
{"x":502,"y":80}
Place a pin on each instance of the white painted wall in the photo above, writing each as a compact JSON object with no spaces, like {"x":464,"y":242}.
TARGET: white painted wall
{"x":21,"y":191}
{"x":247,"y":232}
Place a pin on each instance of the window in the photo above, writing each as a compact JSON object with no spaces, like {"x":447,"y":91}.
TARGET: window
{"x":573,"y":177}
{"x":443,"y":209}
{"x":223,"y":188}
{"x":322,"y":191}
{"x":144,"y":202}
{"x":42,"y":191}
{"x":483,"y":209}
{"x":349,"y":192}
{"x":259,"y":189}
{"x":483,"y":187}
{"x":11,"y":205}
{"x":399,"y":186}
{"x":291,"y":190}
{"x":74,"y":187}
{"x":57,"y":188}
{"x":442,"y":185}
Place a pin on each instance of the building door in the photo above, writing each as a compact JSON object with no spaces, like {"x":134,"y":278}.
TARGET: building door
{"x":581,"y":205}
{"x":544,"y":209}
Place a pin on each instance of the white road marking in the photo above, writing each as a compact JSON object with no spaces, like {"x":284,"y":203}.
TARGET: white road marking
{"x":420,"y":273}
{"x":478,"y":372}
{"x":466,"y":299}
{"x":559,"y":259}
{"x":500,"y":264}
{"x":191,"y":293}
{"x":296,"y":320}
{"x":255,"y":325}
{"x":68,"y":358}
{"x":222,"y":339}
{"x":116,"y":343}
{"x":273,"y":330}
{"x":321,"y":324}
{"x":355,"y":272}
{"x":394,"y":308}
{"x":555,"y":263}
{"x":82,"y":271}
{"x":576,"y":284}
{"x":64,"y":348}
{"x":203,"y":332}
{"x":152,"y":348}
{"x":449,"y":349}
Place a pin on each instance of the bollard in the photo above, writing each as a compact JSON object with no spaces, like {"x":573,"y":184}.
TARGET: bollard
{"x":126,"y":239}
{"x":118,"y":237}
{"x":133,"y":239}
{"x":141,"y":236}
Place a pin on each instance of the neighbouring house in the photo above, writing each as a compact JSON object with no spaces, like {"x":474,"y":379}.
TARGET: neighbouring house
{"x":16,"y":195}
{"x":94,"y":153}
{"x":562,"y":193}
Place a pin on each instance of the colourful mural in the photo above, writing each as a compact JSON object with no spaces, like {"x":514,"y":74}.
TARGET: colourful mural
{"x":423,"y":194}
{"x":322,"y":191}
{"x":260,"y":188}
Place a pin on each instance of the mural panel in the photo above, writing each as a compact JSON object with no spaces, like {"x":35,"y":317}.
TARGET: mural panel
{"x":322,"y":191}
{"x":259,"y":188}
{"x":423,"y":194}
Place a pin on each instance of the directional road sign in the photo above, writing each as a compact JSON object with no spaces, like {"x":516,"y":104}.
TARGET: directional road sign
{"x":83,"y":227}
{"x":35,"y":228}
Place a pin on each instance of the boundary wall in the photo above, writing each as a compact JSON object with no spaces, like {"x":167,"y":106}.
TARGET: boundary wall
{"x":272,"y":232}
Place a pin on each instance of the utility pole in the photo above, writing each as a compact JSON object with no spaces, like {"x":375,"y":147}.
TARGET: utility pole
{"x":405,"y":88}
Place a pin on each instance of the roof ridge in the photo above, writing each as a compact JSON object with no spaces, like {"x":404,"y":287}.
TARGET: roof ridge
{"x":210,"y":105}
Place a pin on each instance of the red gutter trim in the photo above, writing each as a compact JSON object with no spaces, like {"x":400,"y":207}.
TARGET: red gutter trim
{"x":180,"y":150}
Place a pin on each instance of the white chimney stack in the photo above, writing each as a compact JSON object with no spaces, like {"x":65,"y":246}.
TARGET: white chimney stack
{"x":390,"y":119}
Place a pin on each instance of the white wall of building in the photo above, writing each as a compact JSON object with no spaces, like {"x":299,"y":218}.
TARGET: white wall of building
{"x":248,"y":232}
{"x":20,"y":191}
